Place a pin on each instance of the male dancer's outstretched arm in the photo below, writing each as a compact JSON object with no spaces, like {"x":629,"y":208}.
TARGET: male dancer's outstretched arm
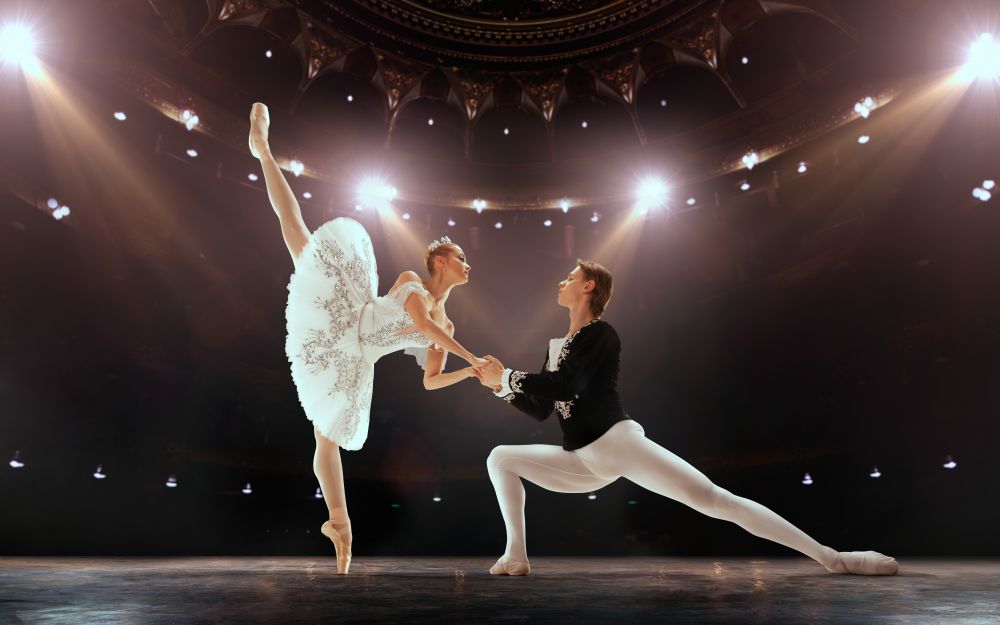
{"x":571,"y":378}
{"x":537,"y":408}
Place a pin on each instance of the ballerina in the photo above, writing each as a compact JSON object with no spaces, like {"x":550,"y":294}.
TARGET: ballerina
{"x":601,"y":443}
{"x":338,"y":327}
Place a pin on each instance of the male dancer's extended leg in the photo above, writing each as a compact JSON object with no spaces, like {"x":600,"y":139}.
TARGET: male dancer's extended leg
{"x":330,"y":473}
{"x":552,"y":468}
{"x":649,"y":465}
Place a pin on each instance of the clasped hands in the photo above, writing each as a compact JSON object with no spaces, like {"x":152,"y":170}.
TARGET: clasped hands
{"x":490,"y":373}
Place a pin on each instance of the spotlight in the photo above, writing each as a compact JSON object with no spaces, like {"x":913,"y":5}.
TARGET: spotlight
{"x":982,"y":194}
{"x":865,"y":107}
{"x":803,"y":168}
{"x":99,"y":473}
{"x":406,"y":216}
{"x":745,"y":60}
{"x":863,"y":139}
{"x":359,"y":207}
{"x":375,"y":193}
{"x":479,"y":204}
{"x":989,"y":184}
{"x":307,"y":195}
{"x":949,"y":463}
{"x":564,"y":205}
{"x":506,"y":131}
{"x":663,"y":103}
{"x":807,"y":479}
{"x":17,"y":46}
{"x":319,"y":493}
{"x":592,"y":496}
{"x":268,"y":54}
{"x":451,"y":222}
{"x":744,"y":186}
{"x":984,"y":59}
{"x":750,"y":159}
{"x":193,"y":153}
{"x":297,"y":167}
{"x":498,"y":225}
{"x":595,"y":218}
{"x":120,"y":116}
{"x":52,"y":203}
{"x":875,"y":473}
{"x":172,"y":482}
{"x":252,"y":177}
{"x":583,"y":124}
{"x":436,"y":499}
{"x":430,"y":121}
{"x":691,"y":201}
{"x":547,"y":223}
{"x":247,"y":489}
{"x":350,"y":98}
{"x":652,"y":193}
{"x":189,"y":118}
{"x":16,"y":462}
{"x":59,"y":213}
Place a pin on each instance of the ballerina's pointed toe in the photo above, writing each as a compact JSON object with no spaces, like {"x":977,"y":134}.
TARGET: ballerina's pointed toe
{"x":258,"y":130}
{"x":341,"y":545}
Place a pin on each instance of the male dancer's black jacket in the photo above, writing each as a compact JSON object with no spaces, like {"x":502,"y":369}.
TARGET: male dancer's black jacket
{"x":583,"y":389}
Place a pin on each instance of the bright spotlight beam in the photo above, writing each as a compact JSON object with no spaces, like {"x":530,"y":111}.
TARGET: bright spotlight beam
{"x":17,"y":46}
{"x":983,"y":61}
{"x":652,"y":193}
{"x":376,"y":193}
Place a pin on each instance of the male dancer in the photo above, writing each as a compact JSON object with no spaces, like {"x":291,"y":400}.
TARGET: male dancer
{"x":579,"y":380}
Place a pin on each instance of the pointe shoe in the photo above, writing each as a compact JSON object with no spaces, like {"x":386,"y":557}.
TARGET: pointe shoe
{"x":864,"y":563}
{"x":504,"y":566}
{"x":340,"y":535}
{"x":260,"y":121}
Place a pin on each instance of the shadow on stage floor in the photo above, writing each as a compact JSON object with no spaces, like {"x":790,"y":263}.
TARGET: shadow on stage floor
{"x":151,"y":591}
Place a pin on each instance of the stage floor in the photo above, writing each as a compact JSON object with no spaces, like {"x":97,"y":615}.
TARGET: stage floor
{"x":629,"y":591}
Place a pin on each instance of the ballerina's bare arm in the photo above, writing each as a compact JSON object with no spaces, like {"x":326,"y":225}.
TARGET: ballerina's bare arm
{"x":434,"y":376}
{"x":420,"y":311}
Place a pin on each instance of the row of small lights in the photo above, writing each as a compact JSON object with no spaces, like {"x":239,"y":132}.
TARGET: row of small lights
{"x":651,"y":193}
{"x":99,"y":474}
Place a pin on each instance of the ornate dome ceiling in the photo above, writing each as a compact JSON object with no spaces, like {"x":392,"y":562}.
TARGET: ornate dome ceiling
{"x":497,"y":90}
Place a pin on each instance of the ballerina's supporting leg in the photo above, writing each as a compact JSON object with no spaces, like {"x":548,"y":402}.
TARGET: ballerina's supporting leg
{"x":649,"y":465}
{"x":330,"y":473}
{"x":550,"y":467}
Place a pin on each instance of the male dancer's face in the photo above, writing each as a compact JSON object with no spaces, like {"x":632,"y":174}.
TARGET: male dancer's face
{"x":574,"y":288}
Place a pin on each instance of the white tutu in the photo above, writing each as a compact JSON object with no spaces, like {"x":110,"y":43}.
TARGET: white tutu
{"x":337,"y":329}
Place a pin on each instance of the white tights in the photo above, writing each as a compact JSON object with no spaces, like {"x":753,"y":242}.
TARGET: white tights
{"x":624,"y":451}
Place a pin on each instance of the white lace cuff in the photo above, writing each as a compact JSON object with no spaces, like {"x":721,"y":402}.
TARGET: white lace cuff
{"x":504,"y":384}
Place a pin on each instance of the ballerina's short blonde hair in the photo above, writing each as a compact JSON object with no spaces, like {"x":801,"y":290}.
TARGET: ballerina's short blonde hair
{"x":439,"y":247}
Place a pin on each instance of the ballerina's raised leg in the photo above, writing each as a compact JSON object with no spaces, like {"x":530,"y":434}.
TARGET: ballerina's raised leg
{"x":624,"y":451}
{"x":326,"y":459}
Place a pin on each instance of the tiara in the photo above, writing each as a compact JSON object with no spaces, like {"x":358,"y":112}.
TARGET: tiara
{"x":438,"y":243}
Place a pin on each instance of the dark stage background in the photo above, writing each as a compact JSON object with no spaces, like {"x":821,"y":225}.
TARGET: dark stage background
{"x":838,"y":321}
